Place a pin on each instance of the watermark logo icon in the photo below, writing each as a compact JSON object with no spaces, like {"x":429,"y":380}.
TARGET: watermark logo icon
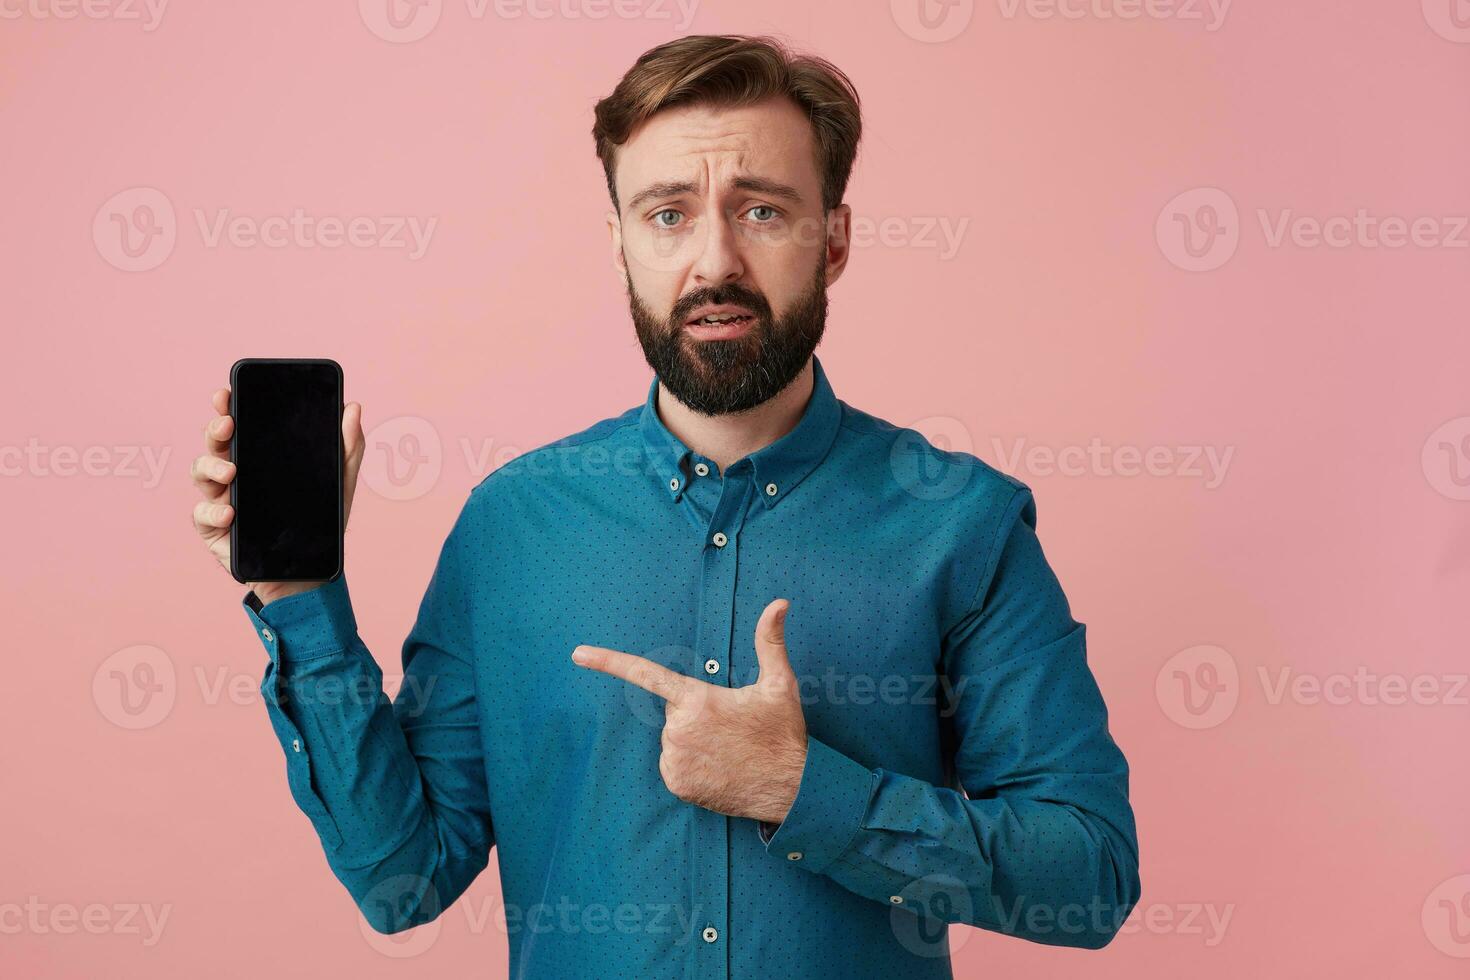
{"x":135,"y":230}
{"x":1450,"y":19}
{"x":921,"y":913}
{"x":400,"y":21}
{"x":1199,"y":230}
{"x":396,"y":899}
{"x":924,"y":473}
{"x":1198,"y":687}
{"x":1446,"y":917}
{"x":136,"y":687}
{"x":932,"y":21}
{"x":649,"y":708}
{"x":403,"y":458}
{"x":1446,"y":458}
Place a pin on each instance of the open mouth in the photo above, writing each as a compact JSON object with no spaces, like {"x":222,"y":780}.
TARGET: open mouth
{"x":719,"y":319}
{"x":720,"y":328}
{"x":725,"y":321}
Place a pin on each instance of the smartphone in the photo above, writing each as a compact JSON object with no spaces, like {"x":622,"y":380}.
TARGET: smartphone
{"x":288,"y":453}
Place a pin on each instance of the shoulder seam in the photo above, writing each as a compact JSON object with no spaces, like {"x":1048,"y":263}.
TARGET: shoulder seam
{"x":1010,"y":514}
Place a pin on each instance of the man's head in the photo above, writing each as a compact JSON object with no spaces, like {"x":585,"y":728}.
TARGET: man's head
{"x":726,"y":159}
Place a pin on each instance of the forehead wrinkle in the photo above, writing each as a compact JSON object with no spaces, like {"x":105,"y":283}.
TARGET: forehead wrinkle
{"x":707,"y":143}
{"x":722,"y":168}
{"x":709,"y":159}
{"x":739,"y":134}
{"x":703,"y":175}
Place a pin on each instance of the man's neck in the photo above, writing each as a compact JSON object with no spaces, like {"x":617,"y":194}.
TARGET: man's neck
{"x":729,"y":438}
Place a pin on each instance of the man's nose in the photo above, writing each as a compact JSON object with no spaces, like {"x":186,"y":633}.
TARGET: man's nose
{"x":719,"y":258}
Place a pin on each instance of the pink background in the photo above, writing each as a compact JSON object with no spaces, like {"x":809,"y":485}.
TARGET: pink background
{"x":1330,"y":830}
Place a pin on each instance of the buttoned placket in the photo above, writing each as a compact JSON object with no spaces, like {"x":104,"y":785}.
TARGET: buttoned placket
{"x":716,"y":507}
{"x":720,"y":503}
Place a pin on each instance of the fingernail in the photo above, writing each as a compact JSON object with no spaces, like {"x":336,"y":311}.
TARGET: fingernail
{"x":579,"y":655}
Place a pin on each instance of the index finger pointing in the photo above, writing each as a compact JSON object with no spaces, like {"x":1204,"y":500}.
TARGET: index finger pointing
{"x":639,"y":671}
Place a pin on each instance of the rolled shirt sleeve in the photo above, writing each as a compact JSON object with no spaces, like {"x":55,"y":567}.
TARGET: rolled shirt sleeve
{"x":1041,"y":843}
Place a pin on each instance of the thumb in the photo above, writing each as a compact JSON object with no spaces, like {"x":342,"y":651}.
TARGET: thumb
{"x":770,"y":644}
{"x":352,"y":437}
{"x":353,"y":446}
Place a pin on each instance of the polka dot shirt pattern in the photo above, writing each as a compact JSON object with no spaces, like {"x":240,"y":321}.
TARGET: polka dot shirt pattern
{"x":960,"y":773}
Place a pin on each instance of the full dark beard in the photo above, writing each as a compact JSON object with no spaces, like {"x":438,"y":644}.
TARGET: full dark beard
{"x":719,"y":377}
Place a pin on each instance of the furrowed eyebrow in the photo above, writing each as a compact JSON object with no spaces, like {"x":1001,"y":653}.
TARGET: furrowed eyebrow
{"x":672,"y":188}
{"x":761,"y":185}
{"x":667,"y":188}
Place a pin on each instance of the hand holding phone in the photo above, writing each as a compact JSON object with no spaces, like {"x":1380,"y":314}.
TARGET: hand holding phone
{"x":282,"y":559}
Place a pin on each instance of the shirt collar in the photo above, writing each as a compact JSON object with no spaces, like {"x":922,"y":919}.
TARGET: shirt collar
{"x":777,"y":469}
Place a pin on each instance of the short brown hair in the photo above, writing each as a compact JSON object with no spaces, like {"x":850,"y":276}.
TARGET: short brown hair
{"x":735,"y":70}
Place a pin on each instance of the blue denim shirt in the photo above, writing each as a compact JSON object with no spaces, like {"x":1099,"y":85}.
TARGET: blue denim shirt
{"x":959,"y":768}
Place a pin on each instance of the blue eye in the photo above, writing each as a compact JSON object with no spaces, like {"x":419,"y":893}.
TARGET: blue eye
{"x":661,"y":224}
{"x":763,"y":207}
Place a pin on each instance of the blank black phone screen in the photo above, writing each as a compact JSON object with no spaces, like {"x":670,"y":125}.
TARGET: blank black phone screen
{"x":287,"y":490}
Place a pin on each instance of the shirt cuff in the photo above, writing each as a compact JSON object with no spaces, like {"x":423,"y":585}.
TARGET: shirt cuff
{"x":309,"y":624}
{"x":828,"y":811}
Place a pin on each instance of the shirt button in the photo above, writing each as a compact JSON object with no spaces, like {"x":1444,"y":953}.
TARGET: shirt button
{"x":896,"y":899}
{"x":770,"y":489}
{"x":710,"y":934}
{"x":266,"y":635}
{"x":701,"y":469}
{"x":719,"y":539}
{"x":674,"y":483}
{"x":711,"y":666}
{"x":794,"y":856}
{"x":295,"y":745}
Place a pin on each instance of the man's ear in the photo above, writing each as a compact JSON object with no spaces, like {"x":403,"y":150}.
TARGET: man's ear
{"x":615,"y":232}
{"x":839,"y":241}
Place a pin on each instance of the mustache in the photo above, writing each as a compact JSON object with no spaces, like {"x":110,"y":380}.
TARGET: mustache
{"x":718,"y":295}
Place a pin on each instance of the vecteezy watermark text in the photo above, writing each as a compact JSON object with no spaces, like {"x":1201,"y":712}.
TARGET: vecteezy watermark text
{"x":137,"y":229}
{"x":41,"y":918}
{"x":551,"y":915}
{"x":34,"y":459}
{"x":138,"y":687}
{"x":1200,"y":687}
{"x":1200,"y":229}
{"x":406,"y":21}
{"x":302,"y":230}
{"x":147,"y":12}
{"x":1205,"y":463}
